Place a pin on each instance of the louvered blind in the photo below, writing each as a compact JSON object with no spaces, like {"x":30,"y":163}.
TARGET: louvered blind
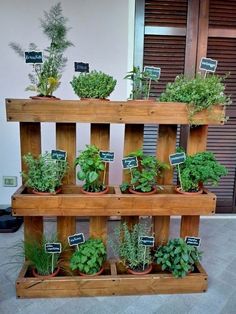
{"x":222,"y":14}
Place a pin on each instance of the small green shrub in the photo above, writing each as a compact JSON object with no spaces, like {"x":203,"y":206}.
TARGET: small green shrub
{"x":93,"y":85}
{"x":90,"y":256}
{"x":44,"y":173}
{"x":177,"y":257}
{"x":91,"y":166}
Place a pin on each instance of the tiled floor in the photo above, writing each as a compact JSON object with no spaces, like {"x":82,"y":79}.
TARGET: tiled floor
{"x":219,"y":246}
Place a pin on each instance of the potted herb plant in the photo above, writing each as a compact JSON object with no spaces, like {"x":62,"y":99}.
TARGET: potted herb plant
{"x":198,"y":93}
{"x":44,"y":175}
{"x":177,"y":257}
{"x":91,"y":168}
{"x":136,"y":257}
{"x":95,"y":84}
{"x":46,"y":76}
{"x":43,"y":265}
{"x":201,"y":168}
{"x":141,"y":83}
{"x":143,"y":178}
{"x":89,"y":258}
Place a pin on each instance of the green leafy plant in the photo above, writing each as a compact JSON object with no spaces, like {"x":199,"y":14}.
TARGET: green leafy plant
{"x":199,"y":93}
{"x":34,"y":252}
{"x":127,"y":246}
{"x":46,"y":76}
{"x":144,"y":177}
{"x":90,"y":256}
{"x":201,"y":168}
{"x":93,"y":85}
{"x":44,"y":173}
{"x":141,"y":83}
{"x":91,"y":167}
{"x":177,"y":257}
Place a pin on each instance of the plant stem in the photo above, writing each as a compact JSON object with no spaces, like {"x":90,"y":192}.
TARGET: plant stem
{"x":180,"y":181}
{"x":52,"y":262}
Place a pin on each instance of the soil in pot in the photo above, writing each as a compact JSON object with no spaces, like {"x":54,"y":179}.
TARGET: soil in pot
{"x":153,"y":191}
{"x":140,"y":271}
{"x":180,"y":191}
{"x":95,"y":274}
{"x":44,"y":97}
{"x":47,"y":193}
{"x":105,"y":191}
{"x":54,"y":274}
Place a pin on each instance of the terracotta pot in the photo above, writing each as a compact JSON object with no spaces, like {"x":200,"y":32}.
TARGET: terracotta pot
{"x":95,"y":193}
{"x":144,"y":272}
{"x":44,"y":98}
{"x":47,"y":193}
{"x":153,"y":191}
{"x":45,"y":276}
{"x":180,"y":191}
{"x":96,"y":274}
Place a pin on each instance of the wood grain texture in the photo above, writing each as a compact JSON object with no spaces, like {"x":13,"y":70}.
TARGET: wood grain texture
{"x":100,"y":136}
{"x":30,"y":142}
{"x":66,"y":140}
{"x":196,"y":143}
{"x":166,"y":146}
{"x":203,"y":32}
{"x":130,"y":112}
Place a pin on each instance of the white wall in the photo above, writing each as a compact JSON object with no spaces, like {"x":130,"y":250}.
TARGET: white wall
{"x":102,"y":32}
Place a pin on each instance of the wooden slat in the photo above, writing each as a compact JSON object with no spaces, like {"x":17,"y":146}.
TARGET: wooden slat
{"x":130,"y":112}
{"x":66,"y":140}
{"x":166,"y":146}
{"x":196,"y":143}
{"x":100,"y":136}
{"x":30,"y":142}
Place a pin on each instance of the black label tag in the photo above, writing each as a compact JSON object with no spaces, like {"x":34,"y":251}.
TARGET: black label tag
{"x":147,"y":241}
{"x":81,"y":67}
{"x":178,"y":158}
{"x":33,"y":57}
{"x":153,"y":72}
{"x":53,"y":247}
{"x":58,"y":154}
{"x":194,"y":241}
{"x":208,"y":64}
{"x":107,"y":156}
{"x":76,"y":239}
{"x":129,"y":162}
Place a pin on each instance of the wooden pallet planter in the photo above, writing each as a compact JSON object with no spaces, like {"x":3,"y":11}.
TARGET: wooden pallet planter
{"x":109,"y":284}
{"x":71,"y":203}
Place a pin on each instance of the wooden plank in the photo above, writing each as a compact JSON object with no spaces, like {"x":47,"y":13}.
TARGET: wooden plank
{"x":166,"y":146}
{"x":196,"y":143}
{"x":66,"y":140}
{"x":30,"y":142}
{"x":72,"y":286}
{"x":133,"y":140}
{"x":130,"y":112}
{"x":100,"y":136}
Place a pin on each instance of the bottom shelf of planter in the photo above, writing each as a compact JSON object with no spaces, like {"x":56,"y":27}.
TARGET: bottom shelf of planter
{"x":114,"y":281}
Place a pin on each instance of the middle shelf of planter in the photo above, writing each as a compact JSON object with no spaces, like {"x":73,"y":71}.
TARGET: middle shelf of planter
{"x":72,"y":202}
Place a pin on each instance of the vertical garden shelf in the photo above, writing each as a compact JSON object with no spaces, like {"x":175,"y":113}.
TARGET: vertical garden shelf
{"x":72,"y":203}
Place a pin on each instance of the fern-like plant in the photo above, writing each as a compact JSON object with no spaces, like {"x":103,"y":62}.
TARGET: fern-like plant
{"x":45,"y":78}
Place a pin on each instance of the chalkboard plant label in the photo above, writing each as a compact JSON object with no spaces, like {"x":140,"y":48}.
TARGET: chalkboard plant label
{"x":33,"y":57}
{"x":194,"y":241}
{"x":81,"y":67}
{"x":153,"y":72}
{"x":178,"y":158}
{"x":208,"y":64}
{"x":107,"y":156}
{"x":129,"y":162}
{"x":59,"y":154}
{"x":147,"y":241}
{"x":53,"y":248}
{"x":76,"y":239}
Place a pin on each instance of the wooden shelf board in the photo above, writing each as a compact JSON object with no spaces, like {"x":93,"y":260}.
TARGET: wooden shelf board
{"x":105,"y":285}
{"x":150,"y":112}
{"x":73,"y":203}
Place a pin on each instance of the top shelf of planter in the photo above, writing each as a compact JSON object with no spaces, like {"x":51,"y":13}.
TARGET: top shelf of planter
{"x":102,"y":111}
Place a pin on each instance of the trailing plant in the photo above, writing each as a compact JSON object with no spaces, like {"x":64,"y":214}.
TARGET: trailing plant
{"x":199,"y":93}
{"x":34,"y":252}
{"x":144,"y":177}
{"x":201,"y":168}
{"x":177,"y":257}
{"x":45,"y":78}
{"x":127,"y":247}
{"x":141,"y":83}
{"x":90,"y":256}
{"x":93,"y":85}
{"x":91,"y":167}
{"x":44,"y":174}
